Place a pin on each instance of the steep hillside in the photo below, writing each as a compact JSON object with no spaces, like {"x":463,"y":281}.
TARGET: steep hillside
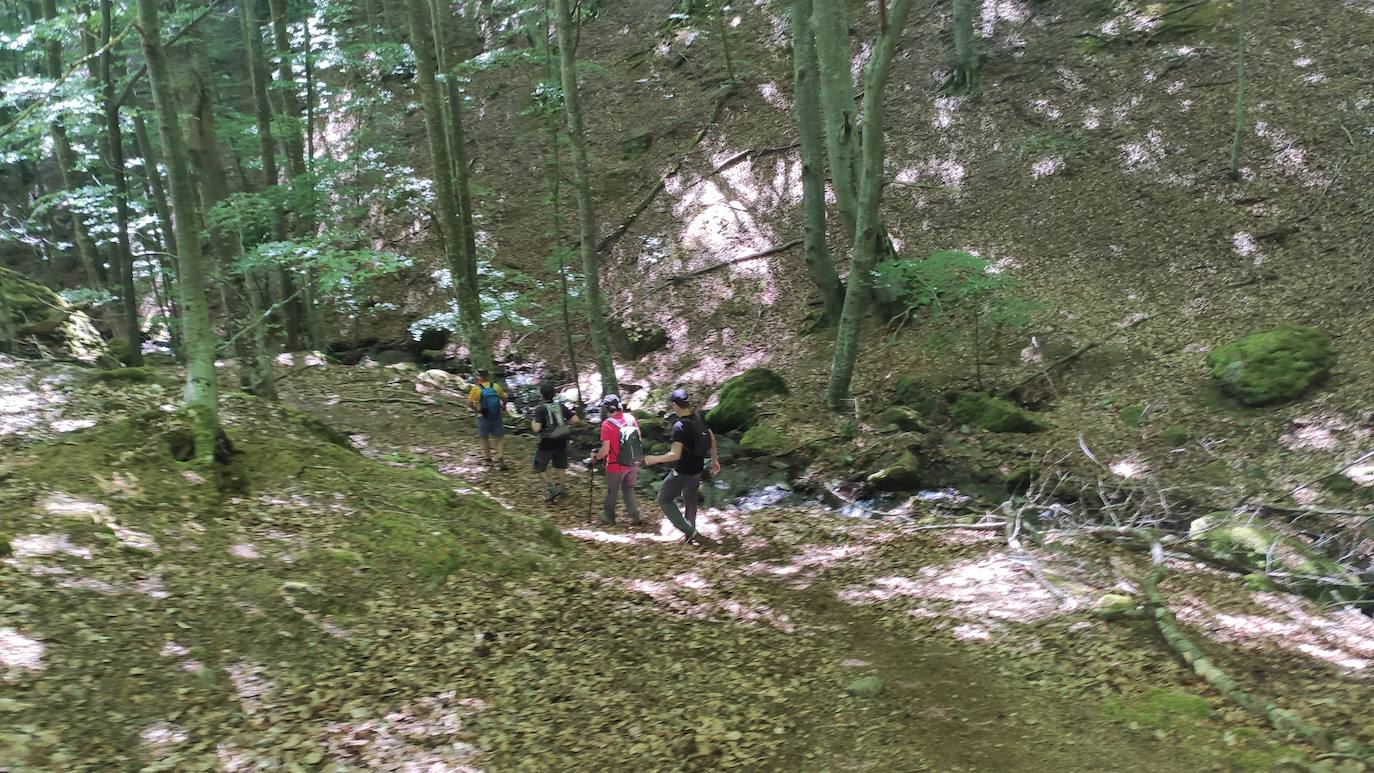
{"x":1091,"y":166}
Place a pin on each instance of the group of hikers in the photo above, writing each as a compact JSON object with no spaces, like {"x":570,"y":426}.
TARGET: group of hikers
{"x":692,"y":451}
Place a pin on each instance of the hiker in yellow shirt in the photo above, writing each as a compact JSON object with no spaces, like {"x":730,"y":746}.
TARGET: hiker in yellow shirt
{"x":488,"y":400}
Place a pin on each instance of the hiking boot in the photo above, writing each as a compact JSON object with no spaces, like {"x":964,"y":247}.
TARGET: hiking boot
{"x":605,"y":522}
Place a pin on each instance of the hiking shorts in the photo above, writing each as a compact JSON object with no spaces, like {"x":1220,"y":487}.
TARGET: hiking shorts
{"x":492,"y":427}
{"x":557,"y":456}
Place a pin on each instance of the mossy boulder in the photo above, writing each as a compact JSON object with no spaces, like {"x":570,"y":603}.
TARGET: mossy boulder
{"x":737,"y":408}
{"x":651,"y":426}
{"x":865,"y":687}
{"x":903,"y":474}
{"x":1273,"y":365}
{"x":914,"y":392}
{"x":902,"y":419}
{"x":762,"y":440}
{"x":1177,"y":436}
{"x":994,"y":414}
{"x":31,"y":310}
{"x":1260,"y":546}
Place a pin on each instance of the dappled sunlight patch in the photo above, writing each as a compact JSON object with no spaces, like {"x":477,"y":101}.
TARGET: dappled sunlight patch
{"x":809,"y":561}
{"x":991,"y":588}
{"x":1047,"y":166}
{"x":689,"y":595}
{"x":159,"y":737}
{"x":1322,"y":432}
{"x":1145,"y":154}
{"x":1131,"y":467}
{"x":19,"y":653}
{"x":250,"y":687}
{"x":35,"y":545}
{"x":430,"y":734}
{"x":72,"y":425}
{"x":245,"y":550}
{"x":61,"y":503}
{"x":1342,"y":638}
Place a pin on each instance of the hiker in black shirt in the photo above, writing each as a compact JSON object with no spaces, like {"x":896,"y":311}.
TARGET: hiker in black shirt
{"x":552,"y":422}
{"x":693,"y":444}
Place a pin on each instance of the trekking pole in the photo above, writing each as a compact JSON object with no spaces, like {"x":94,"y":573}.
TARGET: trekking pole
{"x":591,"y":484}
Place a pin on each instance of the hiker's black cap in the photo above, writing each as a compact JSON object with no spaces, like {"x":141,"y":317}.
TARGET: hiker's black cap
{"x":680,"y":397}
{"x":611,"y":401}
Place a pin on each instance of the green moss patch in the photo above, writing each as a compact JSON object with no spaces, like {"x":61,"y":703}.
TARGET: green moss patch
{"x":762,"y":440}
{"x":914,"y":392}
{"x":1161,"y":709}
{"x":994,"y":414}
{"x":737,"y":408}
{"x":1273,"y":365}
{"x":903,"y":474}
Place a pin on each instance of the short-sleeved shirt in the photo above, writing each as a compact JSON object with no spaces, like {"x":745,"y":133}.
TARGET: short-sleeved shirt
{"x":545,"y":422}
{"x":611,"y":434}
{"x":475,"y":394}
{"x":683,"y":432}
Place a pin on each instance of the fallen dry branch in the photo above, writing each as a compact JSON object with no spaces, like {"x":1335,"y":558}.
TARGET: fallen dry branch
{"x":1281,"y":718}
{"x":775,"y":249}
{"x":629,"y":220}
{"x":1045,"y":371}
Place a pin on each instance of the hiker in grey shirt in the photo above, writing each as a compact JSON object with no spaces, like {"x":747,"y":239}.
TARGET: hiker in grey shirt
{"x":693,"y":444}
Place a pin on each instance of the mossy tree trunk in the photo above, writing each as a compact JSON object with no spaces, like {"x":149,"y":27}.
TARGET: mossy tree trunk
{"x":201,"y":395}
{"x":965,"y":75}
{"x":586,"y":218}
{"x":806,"y":107}
{"x":262,"y":107}
{"x":830,"y":30}
{"x":456,"y":135}
{"x":869,"y":238}
{"x":114,"y":142}
{"x":152,"y":170}
{"x":450,"y":220}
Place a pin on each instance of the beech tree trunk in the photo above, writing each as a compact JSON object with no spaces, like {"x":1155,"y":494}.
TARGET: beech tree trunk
{"x":201,"y":397}
{"x":586,"y":218}
{"x":806,"y":107}
{"x":554,"y":168}
{"x":456,"y":135}
{"x":450,"y":220}
{"x":286,"y":79}
{"x":262,"y":107}
{"x":869,"y":237}
{"x":965,"y":75}
{"x":152,"y":171}
{"x":114,"y":141}
{"x":830,"y":29}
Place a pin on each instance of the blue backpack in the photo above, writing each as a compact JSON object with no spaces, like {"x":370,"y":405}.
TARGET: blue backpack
{"x":490,"y":402}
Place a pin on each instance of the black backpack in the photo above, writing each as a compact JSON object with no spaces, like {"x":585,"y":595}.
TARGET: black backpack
{"x":631,"y":446}
{"x":698,"y":436}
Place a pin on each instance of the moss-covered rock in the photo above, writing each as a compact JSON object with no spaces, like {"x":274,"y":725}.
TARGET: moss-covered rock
{"x":902,"y":418}
{"x":903,"y":474}
{"x":914,"y":392}
{"x":1019,"y":480}
{"x":1273,"y":365}
{"x":1260,"y":546}
{"x":762,"y":440}
{"x":652,"y":427}
{"x":994,"y":414}
{"x":120,"y":349}
{"x":31,"y":310}
{"x":737,"y":408}
{"x":1162,"y":709}
{"x":865,"y":687}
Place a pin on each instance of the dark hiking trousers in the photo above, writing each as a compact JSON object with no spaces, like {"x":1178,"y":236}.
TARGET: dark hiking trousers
{"x":685,"y":486}
{"x":617,"y":482}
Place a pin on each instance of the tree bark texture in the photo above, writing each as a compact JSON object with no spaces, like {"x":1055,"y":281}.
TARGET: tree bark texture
{"x":965,"y":47}
{"x":201,"y":397}
{"x":830,"y":29}
{"x":586,"y":218}
{"x":114,"y":139}
{"x":869,"y":238}
{"x":463,"y":277}
{"x":806,"y":106}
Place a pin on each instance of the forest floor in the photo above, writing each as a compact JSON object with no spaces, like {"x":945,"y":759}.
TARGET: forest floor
{"x":263,"y":632}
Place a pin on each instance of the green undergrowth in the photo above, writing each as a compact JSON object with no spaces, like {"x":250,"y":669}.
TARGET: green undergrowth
{"x":1185,"y":715}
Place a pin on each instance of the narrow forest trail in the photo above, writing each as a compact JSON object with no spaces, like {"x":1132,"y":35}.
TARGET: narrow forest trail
{"x":761,"y":637}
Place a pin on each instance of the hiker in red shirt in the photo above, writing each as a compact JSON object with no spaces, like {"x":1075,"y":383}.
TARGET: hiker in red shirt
{"x":623,"y":450}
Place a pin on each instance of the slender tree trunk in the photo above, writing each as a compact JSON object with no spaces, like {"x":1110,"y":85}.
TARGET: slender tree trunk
{"x":464,"y":286}
{"x":456,"y":136}
{"x":151,"y":169}
{"x":965,"y":75}
{"x":286,"y":80}
{"x":555,"y":174}
{"x":586,"y":218}
{"x":721,"y":6}
{"x":314,"y":311}
{"x":807,"y":108}
{"x":114,"y":138}
{"x":830,"y":28}
{"x":257,"y":74}
{"x":201,"y":392}
{"x":869,"y":237}
{"x":66,"y":160}
{"x":1241,"y":23}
